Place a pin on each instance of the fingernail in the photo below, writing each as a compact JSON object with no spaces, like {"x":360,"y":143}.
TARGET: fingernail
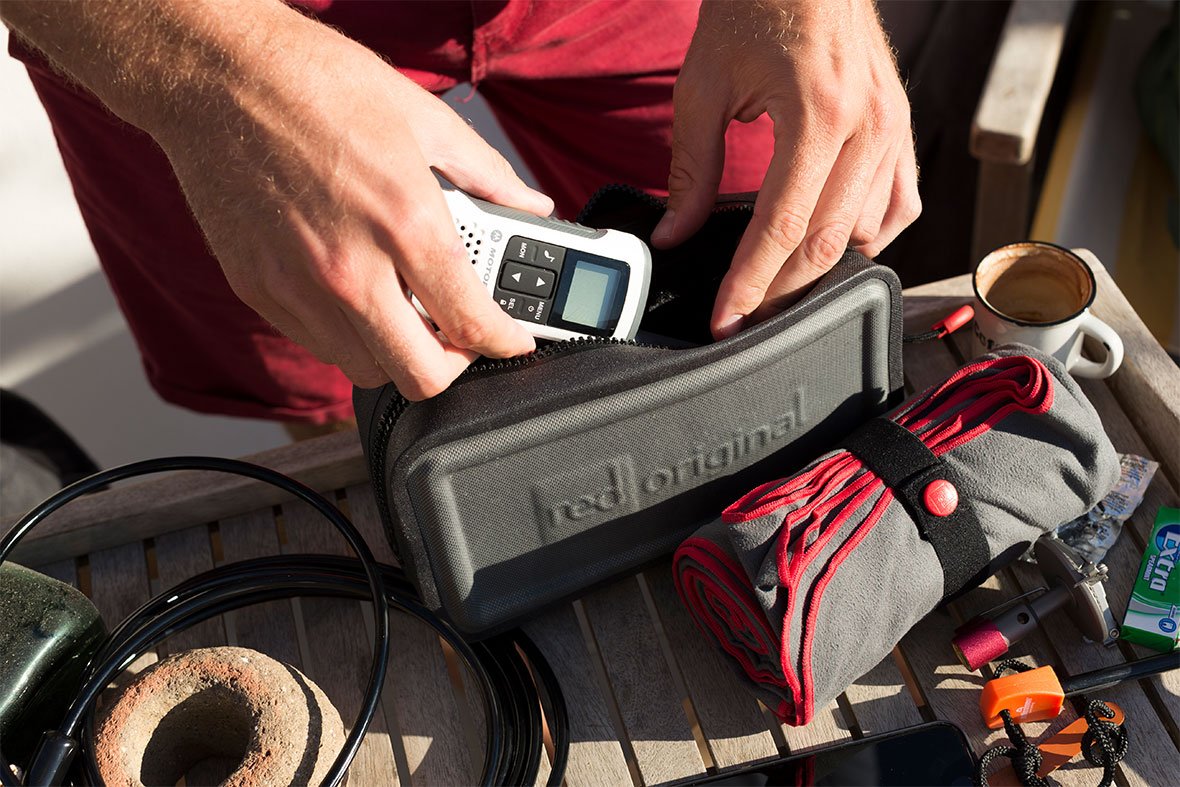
{"x":526,"y":339}
{"x":546,"y":200}
{"x":730,"y":326}
{"x":664,"y":229}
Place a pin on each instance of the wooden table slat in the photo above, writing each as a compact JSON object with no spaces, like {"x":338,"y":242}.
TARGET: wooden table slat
{"x":119,"y":581}
{"x":61,"y":570}
{"x":418,"y":686}
{"x":148,"y":507}
{"x":339,"y":653}
{"x":595,"y":756}
{"x":643,"y":687}
{"x":118,"y":586}
{"x":1147,"y":385}
{"x":730,"y":718}
{"x":880,"y":701}
{"x":180,"y":555}
{"x":267,"y":627}
{"x":362,"y":509}
{"x":428,"y":717}
{"x":828,"y":725}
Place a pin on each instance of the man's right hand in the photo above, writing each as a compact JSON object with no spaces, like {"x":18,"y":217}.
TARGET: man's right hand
{"x":307,"y":162}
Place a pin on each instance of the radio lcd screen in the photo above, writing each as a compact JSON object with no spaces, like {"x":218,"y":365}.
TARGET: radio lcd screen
{"x":591,"y":293}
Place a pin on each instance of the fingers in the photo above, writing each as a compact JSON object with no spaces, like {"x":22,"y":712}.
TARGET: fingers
{"x":868,"y":226}
{"x":698,"y":159}
{"x":904,"y":206}
{"x":465,"y":159}
{"x":383,"y":340}
{"x":431,"y":260}
{"x":781,"y":221}
{"x":419,"y":363}
{"x":836,"y":212}
{"x":321,"y":328}
{"x":359,"y":280}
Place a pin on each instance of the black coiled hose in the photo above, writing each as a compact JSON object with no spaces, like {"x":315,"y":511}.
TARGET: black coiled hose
{"x":512,"y":694}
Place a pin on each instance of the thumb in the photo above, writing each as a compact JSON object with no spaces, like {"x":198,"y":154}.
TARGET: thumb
{"x":698,"y":159}
{"x":467,"y":160}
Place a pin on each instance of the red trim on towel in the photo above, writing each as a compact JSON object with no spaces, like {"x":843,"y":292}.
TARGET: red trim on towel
{"x":822,"y":500}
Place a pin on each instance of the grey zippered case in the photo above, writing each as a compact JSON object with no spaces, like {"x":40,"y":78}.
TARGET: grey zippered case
{"x":532,"y":479}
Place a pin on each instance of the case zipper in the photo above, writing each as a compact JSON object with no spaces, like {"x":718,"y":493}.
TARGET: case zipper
{"x":656,"y":202}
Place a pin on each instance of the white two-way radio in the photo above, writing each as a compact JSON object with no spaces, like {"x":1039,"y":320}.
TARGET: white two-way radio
{"x":560,"y":279}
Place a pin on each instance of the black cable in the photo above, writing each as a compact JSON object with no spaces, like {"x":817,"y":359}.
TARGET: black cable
{"x":52,"y":759}
{"x":554,"y":705}
{"x":925,"y":336}
{"x":512,"y":700}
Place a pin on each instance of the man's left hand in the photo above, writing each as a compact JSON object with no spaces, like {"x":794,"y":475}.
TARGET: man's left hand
{"x":843,"y":171}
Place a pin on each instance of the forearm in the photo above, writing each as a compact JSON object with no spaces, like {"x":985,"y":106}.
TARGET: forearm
{"x":157,"y":63}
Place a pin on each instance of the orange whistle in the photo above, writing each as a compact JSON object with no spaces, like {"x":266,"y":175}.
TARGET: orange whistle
{"x":1028,"y":696}
{"x":1038,"y":694}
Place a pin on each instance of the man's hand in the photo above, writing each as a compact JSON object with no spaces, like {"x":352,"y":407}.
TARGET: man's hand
{"x":307,"y":162}
{"x":843,"y":171}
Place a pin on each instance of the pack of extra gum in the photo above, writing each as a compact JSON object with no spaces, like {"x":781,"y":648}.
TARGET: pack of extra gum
{"x":1154,"y":608}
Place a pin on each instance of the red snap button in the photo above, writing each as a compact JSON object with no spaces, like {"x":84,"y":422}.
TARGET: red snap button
{"x":940,"y":497}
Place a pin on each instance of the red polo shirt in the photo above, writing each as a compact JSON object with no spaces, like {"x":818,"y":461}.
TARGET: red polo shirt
{"x":583,"y":90}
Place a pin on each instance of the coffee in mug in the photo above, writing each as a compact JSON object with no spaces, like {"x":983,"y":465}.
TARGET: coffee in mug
{"x":1039,"y":294}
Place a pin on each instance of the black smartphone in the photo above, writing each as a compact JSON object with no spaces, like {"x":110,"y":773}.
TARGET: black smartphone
{"x":926,"y":755}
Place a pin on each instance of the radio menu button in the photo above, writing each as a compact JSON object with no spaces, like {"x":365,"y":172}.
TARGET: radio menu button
{"x":534,"y":310}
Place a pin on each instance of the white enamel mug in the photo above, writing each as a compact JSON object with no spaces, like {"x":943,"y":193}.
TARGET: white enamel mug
{"x":1039,"y":294}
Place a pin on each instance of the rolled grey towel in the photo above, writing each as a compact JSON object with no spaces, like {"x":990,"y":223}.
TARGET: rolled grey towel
{"x":808,"y":582}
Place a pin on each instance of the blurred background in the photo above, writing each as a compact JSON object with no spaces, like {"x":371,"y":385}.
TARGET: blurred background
{"x":1101,"y":177}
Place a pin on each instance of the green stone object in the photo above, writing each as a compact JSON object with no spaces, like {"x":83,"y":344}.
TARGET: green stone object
{"x":48,"y":632}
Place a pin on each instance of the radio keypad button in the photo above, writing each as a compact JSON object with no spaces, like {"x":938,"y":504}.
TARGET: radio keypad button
{"x":527,"y":279}
{"x":520,"y":249}
{"x":510,"y":302}
{"x":534,"y":310}
{"x":549,"y":256}
{"x":522,"y":307}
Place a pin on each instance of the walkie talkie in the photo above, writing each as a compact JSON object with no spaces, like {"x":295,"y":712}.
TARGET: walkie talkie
{"x":560,"y":279}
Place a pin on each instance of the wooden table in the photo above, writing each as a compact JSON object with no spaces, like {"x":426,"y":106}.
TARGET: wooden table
{"x":649,"y":700}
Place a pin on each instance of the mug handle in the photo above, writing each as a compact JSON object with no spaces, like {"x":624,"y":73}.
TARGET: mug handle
{"x":1096,"y":328}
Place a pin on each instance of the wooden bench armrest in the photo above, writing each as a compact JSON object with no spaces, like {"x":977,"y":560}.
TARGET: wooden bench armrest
{"x":1009,"y":112}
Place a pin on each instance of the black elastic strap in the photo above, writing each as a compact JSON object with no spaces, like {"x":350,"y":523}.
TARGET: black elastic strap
{"x":907,"y":466}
